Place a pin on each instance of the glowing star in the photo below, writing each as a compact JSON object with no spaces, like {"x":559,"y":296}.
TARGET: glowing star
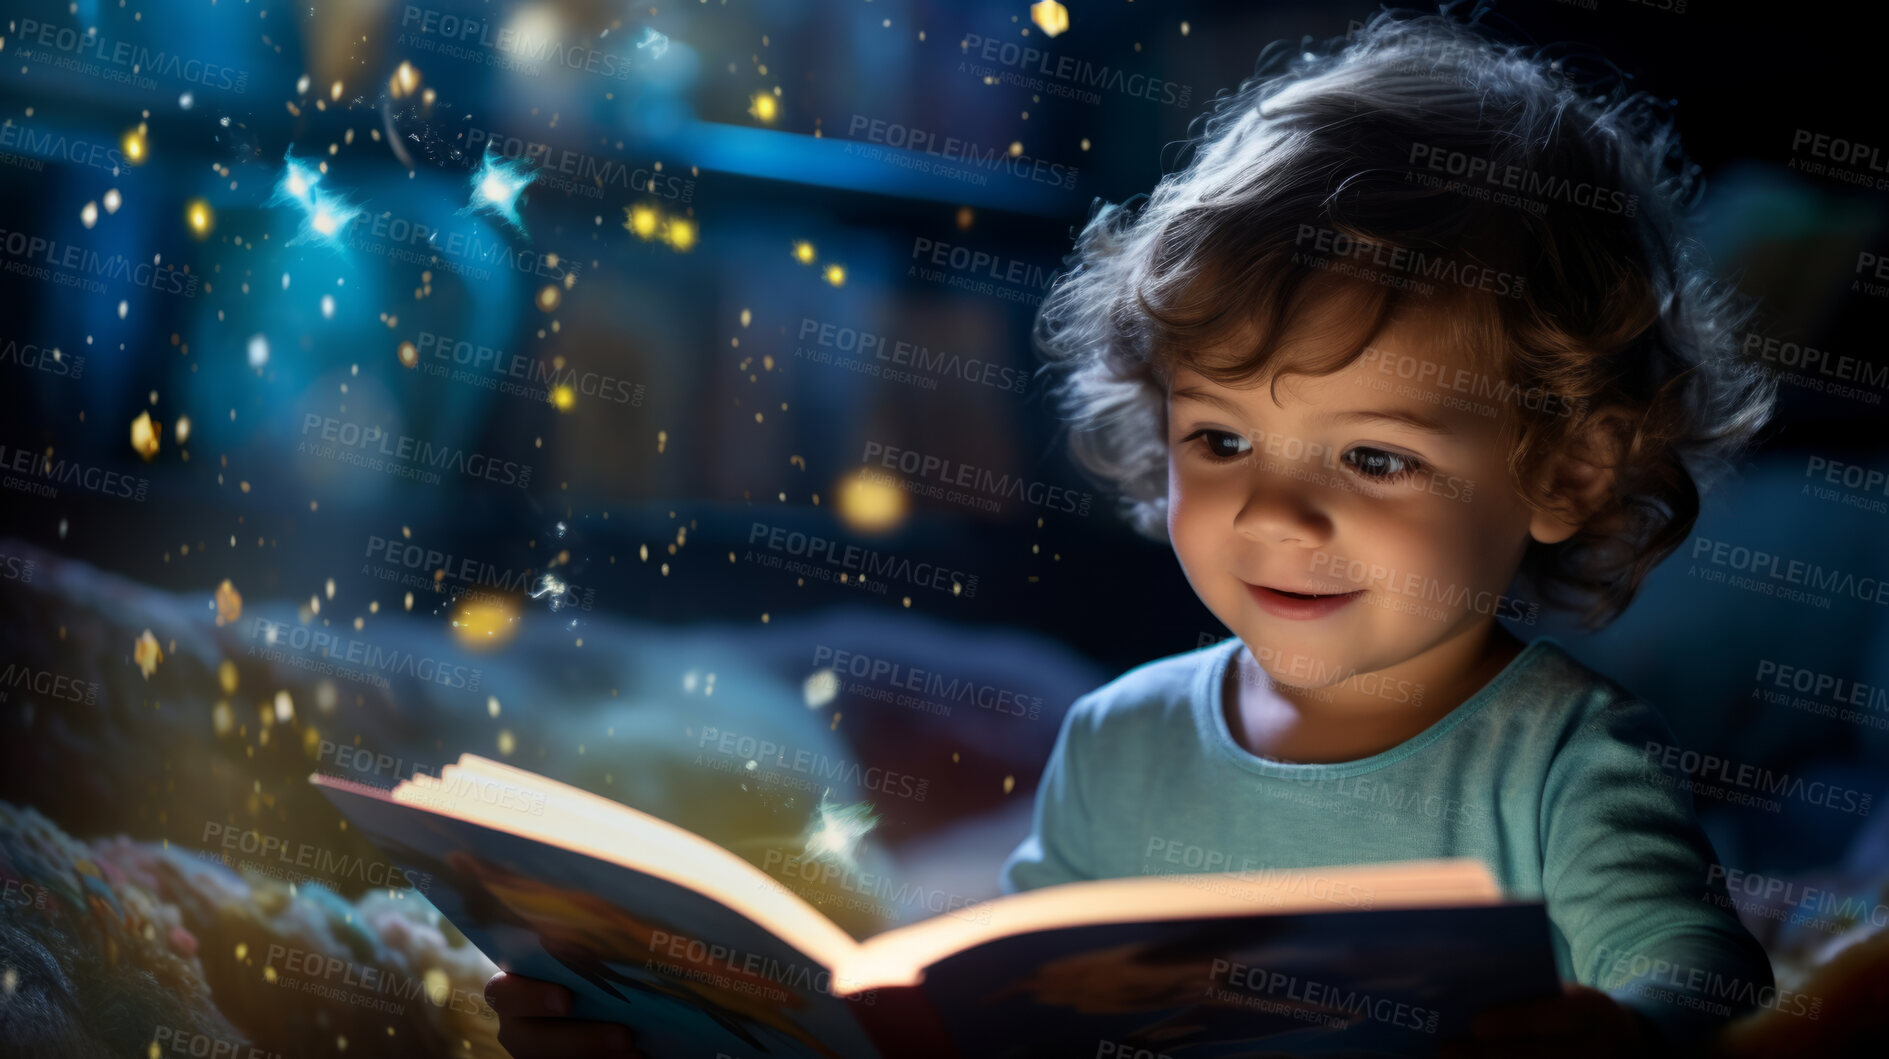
{"x":1050,"y":17}
{"x":200,"y":218}
{"x":496,"y":185}
{"x":765,"y":107}
{"x":803,"y":252}
{"x":146,"y":653}
{"x":132,"y":146}
{"x":680,"y":234}
{"x":836,"y":275}
{"x":144,"y":436}
{"x":643,"y":220}
{"x":834,"y":835}
{"x":323,"y":215}
{"x":229,"y":603}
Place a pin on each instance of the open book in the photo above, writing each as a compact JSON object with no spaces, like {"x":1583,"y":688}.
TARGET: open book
{"x":706,"y":956}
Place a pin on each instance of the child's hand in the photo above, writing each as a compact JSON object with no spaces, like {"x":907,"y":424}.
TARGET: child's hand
{"x":1580,"y":1022}
{"x":532,"y":1022}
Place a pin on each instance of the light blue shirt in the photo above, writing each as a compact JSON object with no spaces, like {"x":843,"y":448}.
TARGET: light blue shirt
{"x":1544,"y":775}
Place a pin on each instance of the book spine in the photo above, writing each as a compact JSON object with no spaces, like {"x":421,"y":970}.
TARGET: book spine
{"x":902,"y":1023}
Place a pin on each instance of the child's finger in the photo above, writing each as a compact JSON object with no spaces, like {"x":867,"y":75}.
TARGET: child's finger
{"x":516,"y":995}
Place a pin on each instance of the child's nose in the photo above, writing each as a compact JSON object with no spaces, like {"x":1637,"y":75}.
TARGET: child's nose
{"x":1282,"y":510}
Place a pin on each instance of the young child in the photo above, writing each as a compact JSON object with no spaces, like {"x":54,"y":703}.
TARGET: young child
{"x":1415,"y":323}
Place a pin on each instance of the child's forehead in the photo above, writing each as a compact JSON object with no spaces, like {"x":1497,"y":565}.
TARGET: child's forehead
{"x":1409,"y":346}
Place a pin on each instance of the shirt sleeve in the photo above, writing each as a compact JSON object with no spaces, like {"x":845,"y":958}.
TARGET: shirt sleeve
{"x":1059,"y":848}
{"x":1627,"y":876}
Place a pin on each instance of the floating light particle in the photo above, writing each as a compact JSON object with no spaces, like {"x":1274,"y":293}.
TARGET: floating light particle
{"x":506,"y":742}
{"x":438,"y":987}
{"x":200,"y":218}
{"x":966,"y":218}
{"x":1186,"y":29}
{"x":643,"y":220}
{"x":146,"y":653}
{"x":145,"y":435}
{"x":836,"y":275}
{"x":803,"y":252}
{"x":328,"y":306}
{"x":491,"y":705}
{"x":564,"y":398}
{"x":88,"y":214}
{"x":485,"y":623}
{"x":655,"y":43}
{"x":334,"y":90}
{"x":133,"y":147}
{"x":284,"y":707}
{"x":1016,"y":148}
{"x":113,"y":200}
{"x":229,"y":604}
{"x":746,"y":317}
{"x":124,"y":309}
{"x":764,"y":107}
{"x":258,"y":350}
{"x":819,"y":688}
{"x":1085,"y":143}
{"x":869,"y":504}
{"x":1050,"y":17}
{"x":222,"y":719}
{"x":186,"y":101}
{"x":680,"y":234}
{"x":549,"y":297}
{"x":409,"y":355}
{"x":405,"y":79}
{"x":329,"y":588}
{"x":226,"y":676}
{"x":183,"y":429}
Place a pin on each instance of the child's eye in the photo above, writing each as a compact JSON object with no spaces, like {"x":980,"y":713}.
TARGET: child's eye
{"x":1215,"y":443}
{"x":1381,"y":466}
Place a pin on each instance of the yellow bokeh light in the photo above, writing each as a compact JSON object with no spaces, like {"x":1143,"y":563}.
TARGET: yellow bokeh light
{"x":803,"y":252}
{"x":680,"y":233}
{"x":132,"y":146}
{"x":765,"y":106}
{"x":836,"y":275}
{"x":144,"y":436}
{"x":1050,"y":17}
{"x":409,"y":355}
{"x":564,"y":398}
{"x":867,"y":503}
{"x":485,"y":623}
{"x":200,"y":217}
{"x":642,"y":220}
{"x":549,"y":297}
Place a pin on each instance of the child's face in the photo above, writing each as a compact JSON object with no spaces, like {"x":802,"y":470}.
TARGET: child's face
{"x":1424,"y":529}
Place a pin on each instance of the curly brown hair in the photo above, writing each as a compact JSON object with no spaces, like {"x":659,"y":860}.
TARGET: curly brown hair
{"x":1407,"y":138}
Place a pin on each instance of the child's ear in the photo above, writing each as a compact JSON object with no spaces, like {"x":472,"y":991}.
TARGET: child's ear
{"x":1576,"y":484}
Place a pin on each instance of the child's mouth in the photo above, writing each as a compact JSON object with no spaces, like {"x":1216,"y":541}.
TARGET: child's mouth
{"x":1300,"y":606}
